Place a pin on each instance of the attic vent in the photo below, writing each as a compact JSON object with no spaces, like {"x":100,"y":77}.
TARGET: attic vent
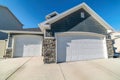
{"x":51,"y":15}
{"x":82,"y":14}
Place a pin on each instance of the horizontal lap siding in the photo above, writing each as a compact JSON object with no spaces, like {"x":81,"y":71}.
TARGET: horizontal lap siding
{"x":74,"y":22}
{"x":69,"y":21}
{"x":3,"y":36}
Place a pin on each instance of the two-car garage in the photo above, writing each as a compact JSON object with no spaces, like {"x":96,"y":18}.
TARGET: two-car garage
{"x":70,"y":46}
{"x":80,"y":46}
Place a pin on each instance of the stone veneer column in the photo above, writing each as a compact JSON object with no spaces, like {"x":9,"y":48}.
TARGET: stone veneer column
{"x":110,"y":48}
{"x":49,"y":51}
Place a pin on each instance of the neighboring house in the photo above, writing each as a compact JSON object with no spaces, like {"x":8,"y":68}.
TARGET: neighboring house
{"x":76,"y":34}
{"x":116,"y":38}
{"x":8,"y":22}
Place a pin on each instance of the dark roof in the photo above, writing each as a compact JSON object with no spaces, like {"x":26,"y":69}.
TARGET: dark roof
{"x":31,"y":29}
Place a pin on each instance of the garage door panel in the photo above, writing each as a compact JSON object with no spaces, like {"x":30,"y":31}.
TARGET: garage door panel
{"x":27,"y":45}
{"x":73,"y":48}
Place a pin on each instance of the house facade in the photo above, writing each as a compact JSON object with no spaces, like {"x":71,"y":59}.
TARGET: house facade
{"x":76,"y":34}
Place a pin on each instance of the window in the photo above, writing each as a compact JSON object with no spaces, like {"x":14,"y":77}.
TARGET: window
{"x":49,"y":33}
{"x":82,"y":14}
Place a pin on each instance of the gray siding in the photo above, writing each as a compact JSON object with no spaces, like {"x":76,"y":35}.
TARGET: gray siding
{"x":8,"y":22}
{"x":89,"y":25}
{"x":74,"y":22}
{"x":3,"y":36}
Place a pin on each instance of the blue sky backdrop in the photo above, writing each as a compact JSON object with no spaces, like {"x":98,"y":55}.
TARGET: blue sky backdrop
{"x":32,"y":12}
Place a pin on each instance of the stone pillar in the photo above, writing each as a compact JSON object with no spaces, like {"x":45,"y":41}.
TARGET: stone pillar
{"x":110,"y":48}
{"x":8,"y":53}
{"x":9,"y":49}
{"x":49,"y":51}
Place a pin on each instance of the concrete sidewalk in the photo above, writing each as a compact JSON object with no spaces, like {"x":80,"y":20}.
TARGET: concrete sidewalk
{"x":9,"y":66}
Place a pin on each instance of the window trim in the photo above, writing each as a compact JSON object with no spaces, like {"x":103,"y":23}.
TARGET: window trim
{"x":46,"y":36}
{"x":82,"y":14}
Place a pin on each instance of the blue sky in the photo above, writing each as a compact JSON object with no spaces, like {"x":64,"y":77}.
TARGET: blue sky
{"x":32,"y":12}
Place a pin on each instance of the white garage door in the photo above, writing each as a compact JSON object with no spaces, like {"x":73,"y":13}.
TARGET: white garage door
{"x":27,"y":45}
{"x":80,"y":47}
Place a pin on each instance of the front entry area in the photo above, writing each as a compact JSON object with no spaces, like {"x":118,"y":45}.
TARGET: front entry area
{"x":80,"y":46}
{"x":27,"y":45}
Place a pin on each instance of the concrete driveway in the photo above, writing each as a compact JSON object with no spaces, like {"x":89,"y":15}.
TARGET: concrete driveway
{"x":9,"y":66}
{"x":102,"y":69}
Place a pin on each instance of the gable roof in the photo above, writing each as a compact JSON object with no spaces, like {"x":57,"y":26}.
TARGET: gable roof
{"x":11,"y":14}
{"x":44,"y":24}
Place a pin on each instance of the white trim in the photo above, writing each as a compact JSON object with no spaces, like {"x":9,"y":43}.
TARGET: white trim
{"x":13,"y":43}
{"x":8,"y":40}
{"x":44,"y":33}
{"x":56,"y":49}
{"x":84,"y":6}
{"x":47,"y":37}
{"x":105,"y":48}
{"x":22,"y":32}
{"x":47,"y":26}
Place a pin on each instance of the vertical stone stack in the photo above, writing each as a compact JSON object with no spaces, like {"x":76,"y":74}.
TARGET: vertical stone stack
{"x":8,"y":53}
{"x":49,"y":52}
{"x":110,"y":48}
